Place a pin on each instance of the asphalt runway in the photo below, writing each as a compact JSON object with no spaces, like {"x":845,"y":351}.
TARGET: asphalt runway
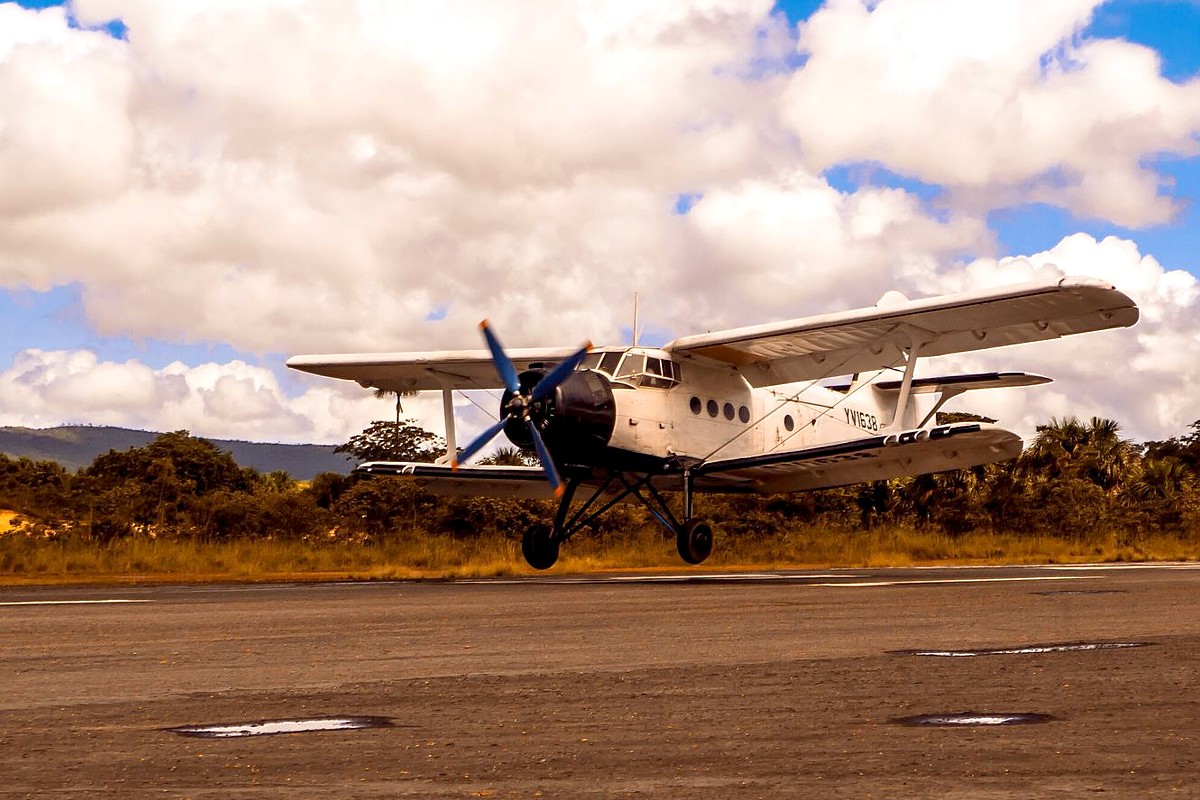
{"x":753,"y":685}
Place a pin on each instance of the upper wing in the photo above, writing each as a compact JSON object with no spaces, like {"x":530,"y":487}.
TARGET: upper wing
{"x":870,"y":458}
{"x":406,"y":372}
{"x":874,"y":338}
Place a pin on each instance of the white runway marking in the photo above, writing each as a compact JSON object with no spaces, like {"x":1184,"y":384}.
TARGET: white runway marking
{"x":698,"y":577}
{"x":1164,"y":565}
{"x":919,"y":582}
{"x":68,"y":602}
{"x":712,"y":576}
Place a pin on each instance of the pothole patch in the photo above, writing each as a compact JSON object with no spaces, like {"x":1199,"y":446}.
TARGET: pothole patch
{"x":1033,"y":649}
{"x":975,"y":719}
{"x":280,"y":726}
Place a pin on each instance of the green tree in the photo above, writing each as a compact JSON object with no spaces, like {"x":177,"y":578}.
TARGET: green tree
{"x":154,"y":484}
{"x":388,"y":441}
{"x":1094,"y":452}
{"x":1185,"y":449}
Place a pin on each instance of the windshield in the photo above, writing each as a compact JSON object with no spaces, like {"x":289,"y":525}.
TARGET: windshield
{"x":660,"y":373}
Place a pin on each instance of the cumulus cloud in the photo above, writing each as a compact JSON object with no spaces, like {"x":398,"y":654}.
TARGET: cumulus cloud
{"x":795,"y":245}
{"x":308,"y":175}
{"x":234,"y":400}
{"x":66,"y":137}
{"x":311,"y":175}
{"x":1002,"y":102}
{"x":1143,"y":377}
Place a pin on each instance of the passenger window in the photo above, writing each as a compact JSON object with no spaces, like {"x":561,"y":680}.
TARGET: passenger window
{"x":729,"y":411}
{"x":744,"y":414}
{"x":713,"y":408}
{"x":789,"y":423}
{"x":696,"y":405}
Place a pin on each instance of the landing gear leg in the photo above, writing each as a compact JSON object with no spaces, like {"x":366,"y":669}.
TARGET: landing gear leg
{"x":694,"y":538}
{"x":540,"y":543}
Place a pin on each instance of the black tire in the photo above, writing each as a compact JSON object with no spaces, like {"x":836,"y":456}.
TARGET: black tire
{"x":695,"y":541}
{"x":539,"y":547}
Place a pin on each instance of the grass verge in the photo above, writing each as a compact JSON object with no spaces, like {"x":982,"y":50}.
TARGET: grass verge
{"x":25,"y":560}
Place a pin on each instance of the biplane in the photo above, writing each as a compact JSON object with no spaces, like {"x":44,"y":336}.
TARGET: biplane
{"x":747,"y":410}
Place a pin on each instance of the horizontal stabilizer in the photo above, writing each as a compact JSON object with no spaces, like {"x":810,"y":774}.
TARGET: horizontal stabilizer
{"x":958,"y":383}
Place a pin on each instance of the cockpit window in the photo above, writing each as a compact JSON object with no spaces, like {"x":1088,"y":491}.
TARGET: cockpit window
{"x":608,"y":363}
{"x":591,"y":361}
{"x":634,"y":364}
{"x":660,"y":373}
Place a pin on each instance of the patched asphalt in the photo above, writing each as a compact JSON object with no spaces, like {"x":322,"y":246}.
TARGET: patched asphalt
{"x":761,"y":685}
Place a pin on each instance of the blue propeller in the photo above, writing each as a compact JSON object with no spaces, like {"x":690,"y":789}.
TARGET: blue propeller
{"x":520,"y":406}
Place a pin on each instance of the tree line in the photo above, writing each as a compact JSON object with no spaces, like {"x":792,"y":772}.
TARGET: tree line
{"x":1077,"y":478}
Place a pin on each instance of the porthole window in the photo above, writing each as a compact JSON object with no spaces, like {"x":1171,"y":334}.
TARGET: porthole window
{"x":744,"y":414}
{"x":789,"y":423}
{"x":696,"y":405}
{"x":729,"y":412}
{"x":713,"y":408}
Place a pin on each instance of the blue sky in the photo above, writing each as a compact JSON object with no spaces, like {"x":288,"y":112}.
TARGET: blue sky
{"x":78,"y":313}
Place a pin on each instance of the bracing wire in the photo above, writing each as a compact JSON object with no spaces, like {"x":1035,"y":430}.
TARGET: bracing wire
{"x":795,"y":397}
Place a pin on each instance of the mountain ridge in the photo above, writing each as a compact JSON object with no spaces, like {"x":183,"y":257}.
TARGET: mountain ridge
{"x":76,"y":446}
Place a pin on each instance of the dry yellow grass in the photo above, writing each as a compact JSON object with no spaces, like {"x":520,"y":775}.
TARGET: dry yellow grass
{"x":7,"y":521}
{"x":25,"y":560}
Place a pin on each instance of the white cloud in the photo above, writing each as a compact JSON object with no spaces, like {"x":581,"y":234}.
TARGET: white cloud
{"x":234,"y":400}
{"x":66,"y":137}
{"x":1003,"y":102}
{"x":1143,"y":377}
{"x":310,"y":175}
{"x":774,"y":249}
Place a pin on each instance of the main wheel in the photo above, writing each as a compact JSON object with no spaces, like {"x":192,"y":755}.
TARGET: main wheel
{"x":695,"y":541}
{"x":539,"y":547}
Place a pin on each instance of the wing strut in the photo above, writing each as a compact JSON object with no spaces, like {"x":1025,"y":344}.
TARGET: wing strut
{"x":917,"y":339}
{"x":448,"y":413}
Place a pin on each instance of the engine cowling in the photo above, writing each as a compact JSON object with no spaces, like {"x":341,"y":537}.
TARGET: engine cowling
{"x":576,"y":421}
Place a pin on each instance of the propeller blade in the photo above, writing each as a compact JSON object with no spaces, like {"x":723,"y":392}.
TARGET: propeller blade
{"x":546,"y":386}
{"x":547,"y":462}
{"x":508,"y":373}
{"x":479,"y":443}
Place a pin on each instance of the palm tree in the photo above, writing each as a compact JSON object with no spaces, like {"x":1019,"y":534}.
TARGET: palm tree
{"x":399,"y":394}
{"x":509,"y":457}
{"x":1161,"y":479}
{"x":1105,"y":458}
{"x":1095,"y":452}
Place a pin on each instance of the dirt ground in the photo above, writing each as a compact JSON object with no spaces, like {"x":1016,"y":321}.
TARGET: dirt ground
{"x":784,"y":686}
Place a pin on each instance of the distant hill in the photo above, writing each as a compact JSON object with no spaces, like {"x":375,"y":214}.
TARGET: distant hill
{"x":75,"y":446}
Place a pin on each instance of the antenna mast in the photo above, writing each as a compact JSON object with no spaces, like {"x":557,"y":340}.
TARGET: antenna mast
{"x":635,"y":318}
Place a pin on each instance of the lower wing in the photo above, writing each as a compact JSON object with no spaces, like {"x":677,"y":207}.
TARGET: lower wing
{"x":521,"y":483}
{"x":871,"y":458}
